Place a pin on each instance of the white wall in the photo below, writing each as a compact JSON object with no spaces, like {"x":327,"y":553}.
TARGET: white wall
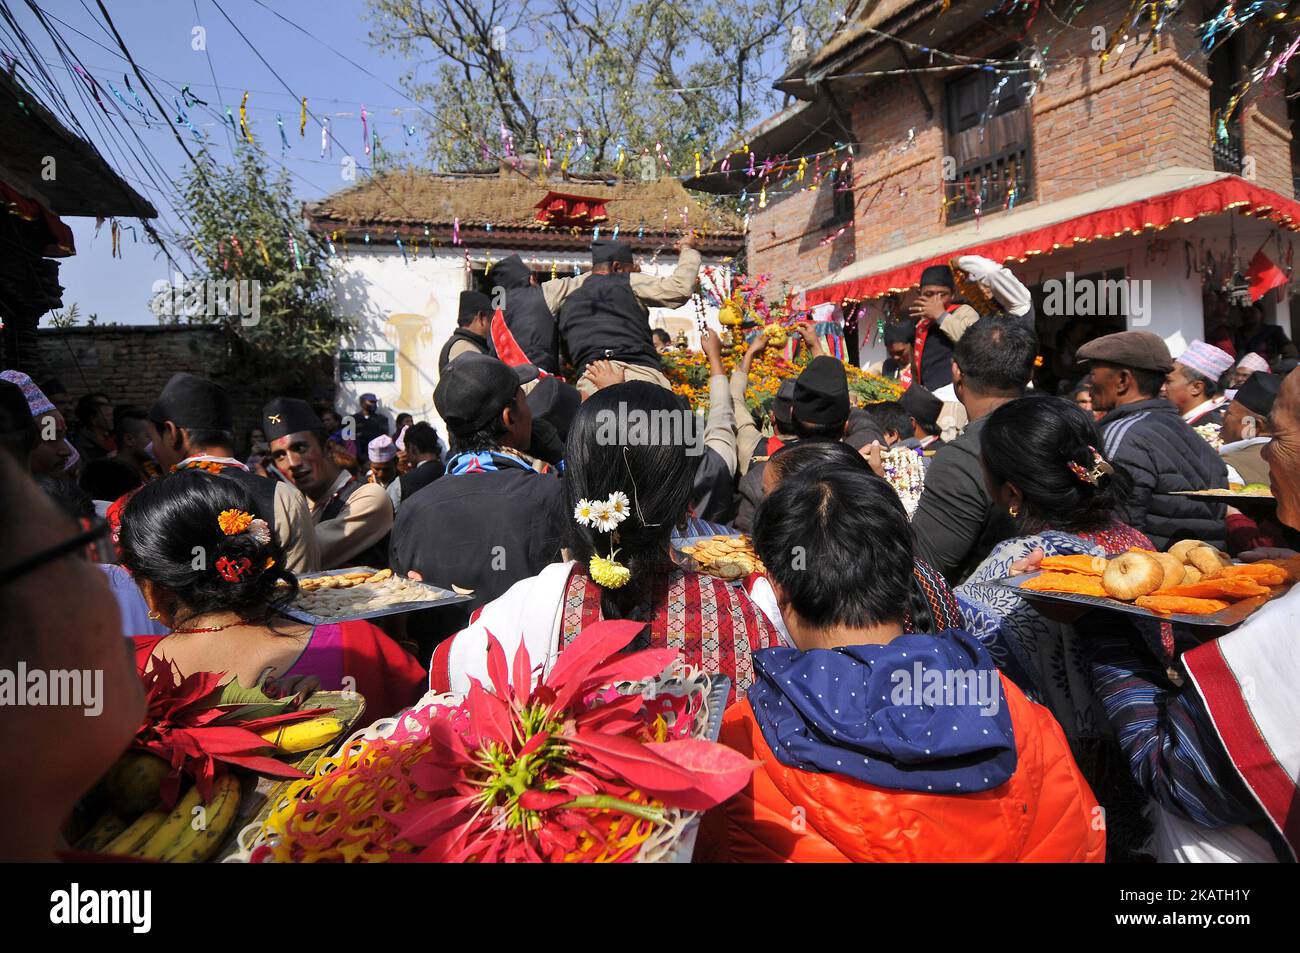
{"x":413,"y":301}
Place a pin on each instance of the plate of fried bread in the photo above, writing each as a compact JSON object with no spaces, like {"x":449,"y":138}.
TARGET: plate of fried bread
{"x":727,"y":557}
{"x":1192,"y":583}
{"x":360,"y":592}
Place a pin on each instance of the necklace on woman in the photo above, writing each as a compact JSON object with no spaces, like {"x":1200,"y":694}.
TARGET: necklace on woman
{"x":211,"y":628}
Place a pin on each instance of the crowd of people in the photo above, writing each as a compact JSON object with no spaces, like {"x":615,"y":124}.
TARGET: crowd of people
{"x":1083,"y":737}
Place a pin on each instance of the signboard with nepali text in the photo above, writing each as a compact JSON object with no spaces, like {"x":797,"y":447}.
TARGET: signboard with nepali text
{"x":362,"y":365}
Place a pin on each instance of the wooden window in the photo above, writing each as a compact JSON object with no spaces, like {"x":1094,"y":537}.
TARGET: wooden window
{"x":988,"y":144}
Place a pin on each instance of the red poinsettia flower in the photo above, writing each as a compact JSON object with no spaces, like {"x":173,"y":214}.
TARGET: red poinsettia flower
{"x":568,"y":769}
{"x":183,"y":726}
{"x":534,"y":766}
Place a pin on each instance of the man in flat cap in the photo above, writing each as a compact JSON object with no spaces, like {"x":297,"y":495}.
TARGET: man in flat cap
{"x":1193,"y":385}
{"x":473,"y":325}
{"x":492,"y":519}
{"x":1245,"y":428}
{"x":1147,"y":436}
{"x":604,"y":315}
{"x":191,"y":426}
{"x":527,"y":314}
{"x":941,"y":321}
{"x":352,"y":518}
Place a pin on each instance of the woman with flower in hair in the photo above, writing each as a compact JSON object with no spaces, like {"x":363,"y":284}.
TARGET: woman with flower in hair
{"x":211,"y":573}
{"x":626,"y":492}
{"x":1043,"y":467}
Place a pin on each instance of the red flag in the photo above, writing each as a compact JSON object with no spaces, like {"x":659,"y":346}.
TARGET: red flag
{"x":1263,"y":276}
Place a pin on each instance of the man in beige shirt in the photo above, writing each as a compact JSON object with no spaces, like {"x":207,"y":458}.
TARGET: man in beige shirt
{"x":604,"y":314}
{"x":190,"y":428}
{"x":352,"y":519}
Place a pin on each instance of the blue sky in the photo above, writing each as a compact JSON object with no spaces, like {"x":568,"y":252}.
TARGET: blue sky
{"x":159,"y":34}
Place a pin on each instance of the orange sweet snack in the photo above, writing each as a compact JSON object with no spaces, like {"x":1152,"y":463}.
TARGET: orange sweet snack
{"x":1289,"y":566}
{"x":1083,"y":564}
{"x":1220,"y":587}
{"x":1067,"y":582}
{"x":1266,"y":574}
{"x":1166,"y":604}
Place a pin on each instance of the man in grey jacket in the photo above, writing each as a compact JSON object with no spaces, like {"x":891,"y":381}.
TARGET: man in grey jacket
{"x":1147,"y":436}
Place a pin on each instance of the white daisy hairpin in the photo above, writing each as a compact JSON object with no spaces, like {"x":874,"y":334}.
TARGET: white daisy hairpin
{"x":604,"y":517}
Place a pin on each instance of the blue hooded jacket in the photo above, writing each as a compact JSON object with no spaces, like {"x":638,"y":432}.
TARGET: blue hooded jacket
{"x":923,"y":713}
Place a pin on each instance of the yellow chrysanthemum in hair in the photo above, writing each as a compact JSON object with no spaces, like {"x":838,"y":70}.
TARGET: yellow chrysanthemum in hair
{"x":608,"y":573}
{"x":234,"y":522}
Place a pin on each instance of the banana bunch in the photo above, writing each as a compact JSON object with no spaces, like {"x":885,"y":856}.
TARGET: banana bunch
{"x":133,"y":785}
{"x":182,"y":835}
{"x":303,"y":735}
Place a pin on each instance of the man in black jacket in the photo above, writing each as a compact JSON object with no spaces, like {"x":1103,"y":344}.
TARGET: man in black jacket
{"x":527,"y":314}
{"x":604,"y":315}
{"x":473,"y":324}
{"x":492,"y":520}
{"x":1148,"y":437}
{"x":955,"y":523}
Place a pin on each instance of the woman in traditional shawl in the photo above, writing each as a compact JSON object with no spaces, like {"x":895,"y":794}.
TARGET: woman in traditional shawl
{"x":621,"y":565}
{"x":210,"y":572}
{"x":1042,"y":465}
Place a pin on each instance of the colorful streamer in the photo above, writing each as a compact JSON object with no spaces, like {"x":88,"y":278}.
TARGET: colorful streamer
{"x":243,"y":119}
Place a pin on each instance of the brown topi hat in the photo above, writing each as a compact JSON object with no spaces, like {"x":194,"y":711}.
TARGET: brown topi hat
{"x":1141,"y":350}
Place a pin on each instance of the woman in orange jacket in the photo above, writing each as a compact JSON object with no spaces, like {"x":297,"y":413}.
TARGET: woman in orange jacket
{"x":875,"y":745}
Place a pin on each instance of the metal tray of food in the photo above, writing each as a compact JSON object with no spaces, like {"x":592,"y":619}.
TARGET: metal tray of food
{"x":1246,"y":502}
{"x":687,"y":561}
{"x":434,"y":597}
{"x":1235,"y":614}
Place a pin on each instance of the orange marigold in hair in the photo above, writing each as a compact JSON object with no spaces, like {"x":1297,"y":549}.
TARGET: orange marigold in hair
{"x":234,"y":522}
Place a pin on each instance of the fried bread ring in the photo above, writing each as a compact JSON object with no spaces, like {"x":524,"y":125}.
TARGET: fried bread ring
{"x":1207,"y":559}
{"x":1131,"y":575}
{"x":1173,"y":567}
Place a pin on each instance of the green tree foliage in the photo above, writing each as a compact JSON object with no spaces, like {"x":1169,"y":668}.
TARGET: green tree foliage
{"x":586,"y":77}
{"x":247,"y":227}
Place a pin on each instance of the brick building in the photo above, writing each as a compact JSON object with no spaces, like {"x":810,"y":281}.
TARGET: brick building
{"x":1053,"y":163}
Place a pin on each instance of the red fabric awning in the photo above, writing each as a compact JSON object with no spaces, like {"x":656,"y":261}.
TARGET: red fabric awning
{"x":561,"y":209}
{"x":1228,"y":194}
{"x":60,"y":243}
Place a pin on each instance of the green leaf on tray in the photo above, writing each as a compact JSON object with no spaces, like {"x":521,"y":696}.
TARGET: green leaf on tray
{"x":242,"y":703}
